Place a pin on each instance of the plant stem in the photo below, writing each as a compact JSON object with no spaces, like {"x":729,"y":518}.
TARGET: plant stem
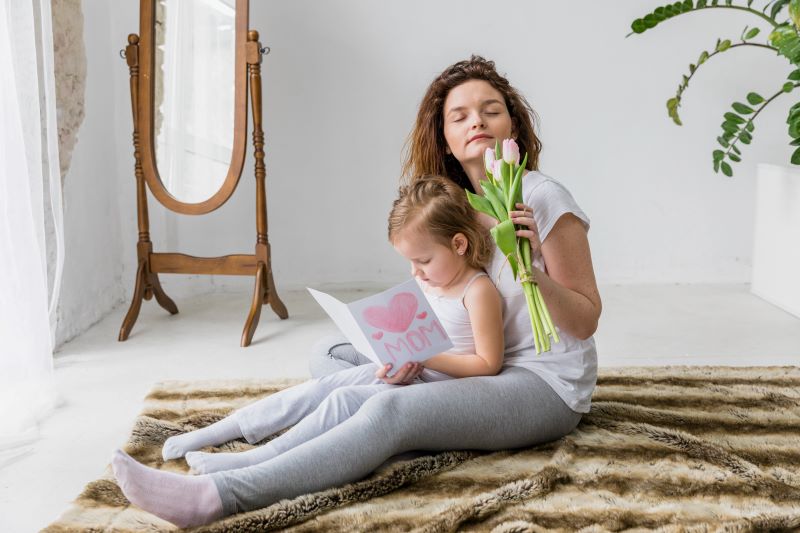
{"x":751,"y":119}
{"x":715,"y":52}
{"x":742,"y":8}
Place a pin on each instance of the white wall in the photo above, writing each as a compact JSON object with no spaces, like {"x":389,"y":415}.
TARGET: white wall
{"x":343,"y":81}
{"x":93,"y":282}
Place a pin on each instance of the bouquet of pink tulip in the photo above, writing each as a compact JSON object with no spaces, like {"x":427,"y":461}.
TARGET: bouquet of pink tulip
{"x":502,"y":191}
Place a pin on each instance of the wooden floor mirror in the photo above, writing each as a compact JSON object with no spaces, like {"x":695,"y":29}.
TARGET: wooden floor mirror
{"x":190,"y":69}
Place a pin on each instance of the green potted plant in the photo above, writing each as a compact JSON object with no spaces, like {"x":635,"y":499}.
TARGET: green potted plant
{"x":739,"y":123}
{"x":776,"y":256}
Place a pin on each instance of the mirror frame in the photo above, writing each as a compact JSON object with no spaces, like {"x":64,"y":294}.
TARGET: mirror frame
{"x":146,"y":112}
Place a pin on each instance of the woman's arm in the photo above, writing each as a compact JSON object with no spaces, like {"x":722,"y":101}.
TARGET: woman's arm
{"x":569,"y":287}
{"x":486,"y":317}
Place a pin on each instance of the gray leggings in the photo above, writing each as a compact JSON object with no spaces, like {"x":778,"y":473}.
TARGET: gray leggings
{"x":513,"y":409}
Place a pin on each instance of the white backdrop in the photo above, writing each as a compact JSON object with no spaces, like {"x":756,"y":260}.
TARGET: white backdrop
{"x":343,"y":80}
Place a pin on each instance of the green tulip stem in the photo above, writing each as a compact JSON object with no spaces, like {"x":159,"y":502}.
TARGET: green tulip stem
{"x":537,"y":330}
{"x":547,"y":318}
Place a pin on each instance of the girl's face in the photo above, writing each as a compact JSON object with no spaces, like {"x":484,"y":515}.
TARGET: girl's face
{"x":475,"y":116}
{"x":431,"y":261}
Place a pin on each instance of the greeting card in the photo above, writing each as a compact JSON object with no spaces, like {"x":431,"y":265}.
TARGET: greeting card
{"x":395,"y":326}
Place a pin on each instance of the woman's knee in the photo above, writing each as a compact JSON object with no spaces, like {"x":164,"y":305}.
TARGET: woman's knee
{"x":322,"y":348}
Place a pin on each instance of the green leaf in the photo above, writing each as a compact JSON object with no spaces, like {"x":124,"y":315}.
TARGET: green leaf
{"x":726,"y":169}
{"x":794,"y":75}
{"x":672,"y":110}
{"x":481,"y":204}
{"x":750,"y":127}
{"x":745,"y":137}
{"x":730,"y":127}
{"x":723,"y":45}
{"x":796,"y":157}
{"x":754,"y":98}
{"x":752,"y":33}
{"x":733,"y":117}
{"x":662,"y":13}
{"x":741,"y":108}
{"x":718,"y":155}
{"x":795,"y":142}
{"x":738,"y":152}
{"x":794,"y":12}
{"x":505,"y":235}
{"x":495,"y":198}
{"x":734,"y":157}
{"x":788,"y":87}
{"x":777,"y":6}
{"x":786,"y":40}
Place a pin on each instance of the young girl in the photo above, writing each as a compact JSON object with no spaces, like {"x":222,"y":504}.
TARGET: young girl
{"x":432,"y":225}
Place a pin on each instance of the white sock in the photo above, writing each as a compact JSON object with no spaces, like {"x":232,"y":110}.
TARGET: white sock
{"x":206,"y":463}
{"x":220,"y":432}
{"x":183,"y":500}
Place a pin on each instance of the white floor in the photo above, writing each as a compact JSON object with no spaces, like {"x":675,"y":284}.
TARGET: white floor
{"x":102,"y":381}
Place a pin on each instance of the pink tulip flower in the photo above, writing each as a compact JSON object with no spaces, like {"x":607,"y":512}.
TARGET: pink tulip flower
{"x":510,"y":152}
{"x":488,"y":159}
{"x":497,"y":169}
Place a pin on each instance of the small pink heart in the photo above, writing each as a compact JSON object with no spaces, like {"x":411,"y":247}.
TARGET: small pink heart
{"x":377,"y":335}
{"x":422,"y":315}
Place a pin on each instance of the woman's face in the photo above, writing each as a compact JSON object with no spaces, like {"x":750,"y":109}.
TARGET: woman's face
{"x":475,"y":117}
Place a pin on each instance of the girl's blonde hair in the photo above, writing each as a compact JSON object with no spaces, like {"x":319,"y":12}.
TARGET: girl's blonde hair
{"x":441,"y":208}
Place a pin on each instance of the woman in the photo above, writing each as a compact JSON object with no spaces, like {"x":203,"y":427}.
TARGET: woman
{"x":534,"y":399}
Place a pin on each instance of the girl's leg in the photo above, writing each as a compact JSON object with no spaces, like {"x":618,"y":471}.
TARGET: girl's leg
{"x":264,"y":417}
{"x":513,"y":409}
{"x":332,"y":354}
{"x":340,"y":405}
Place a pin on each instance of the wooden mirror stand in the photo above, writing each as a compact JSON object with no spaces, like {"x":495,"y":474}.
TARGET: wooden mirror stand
{"x":151,"y":264}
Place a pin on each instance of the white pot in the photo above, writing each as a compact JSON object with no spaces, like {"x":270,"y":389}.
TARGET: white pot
{"x":776,"y":247}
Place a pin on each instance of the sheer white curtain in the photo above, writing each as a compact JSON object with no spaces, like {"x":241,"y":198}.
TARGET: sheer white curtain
{"x":28,"y":164}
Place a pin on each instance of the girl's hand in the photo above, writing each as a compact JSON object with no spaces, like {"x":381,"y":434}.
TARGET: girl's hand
{"x":407,"y":373}
{"x":524,"y":217}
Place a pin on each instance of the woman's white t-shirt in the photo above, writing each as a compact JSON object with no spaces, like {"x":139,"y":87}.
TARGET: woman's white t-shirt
{"x":570,"y":367}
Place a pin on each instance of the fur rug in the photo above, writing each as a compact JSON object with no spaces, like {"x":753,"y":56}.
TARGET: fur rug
{"x":664,"y":448}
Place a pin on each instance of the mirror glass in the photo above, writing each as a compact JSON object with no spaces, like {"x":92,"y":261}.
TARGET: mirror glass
{"x":194,"y":95}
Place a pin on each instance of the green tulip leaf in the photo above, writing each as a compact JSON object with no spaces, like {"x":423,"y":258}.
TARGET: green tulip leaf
{"x":505,"y":236}
{"x":481,"y":204}
{"x":495,"y":198}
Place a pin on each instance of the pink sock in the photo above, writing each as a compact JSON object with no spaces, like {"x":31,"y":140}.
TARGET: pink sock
{"x":183,"y":500}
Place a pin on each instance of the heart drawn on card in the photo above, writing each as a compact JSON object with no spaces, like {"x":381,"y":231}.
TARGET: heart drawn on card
{"x":396,"y":317}
{"x":377,"y":335}
{"x":422,"y":315}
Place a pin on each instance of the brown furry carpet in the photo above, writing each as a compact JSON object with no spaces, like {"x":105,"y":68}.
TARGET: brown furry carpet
{"x":664,"y":448}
